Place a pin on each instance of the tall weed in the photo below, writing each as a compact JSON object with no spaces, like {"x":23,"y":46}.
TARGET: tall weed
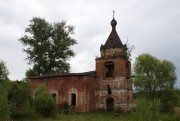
{"x":146,"y":110}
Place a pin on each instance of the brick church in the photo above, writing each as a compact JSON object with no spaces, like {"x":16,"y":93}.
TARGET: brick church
{"x":107,"y":87}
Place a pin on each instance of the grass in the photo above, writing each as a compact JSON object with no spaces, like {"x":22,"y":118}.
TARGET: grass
{"x":87,"y":116}
{"x":105,"y":116}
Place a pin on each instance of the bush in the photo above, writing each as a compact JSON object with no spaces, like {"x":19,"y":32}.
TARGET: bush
{"x":20,"y":100}
{"x":178,"y":97}
{"x":146,"y":110}
{"x":171,"y":117}
{"x":25,"y":112}
{"x":169,"y":99}
{"x":118,"y":111}
{"x":66,"y":108}
{"x":44,"y":103}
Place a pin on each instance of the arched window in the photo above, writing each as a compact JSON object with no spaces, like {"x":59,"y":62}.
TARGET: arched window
{"x":109,"y":69}
{"x":73,"y":97}
{"x":54,"y":95}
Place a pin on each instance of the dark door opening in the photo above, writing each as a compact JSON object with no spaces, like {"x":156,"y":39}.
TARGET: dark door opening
{"x":110,"y":104}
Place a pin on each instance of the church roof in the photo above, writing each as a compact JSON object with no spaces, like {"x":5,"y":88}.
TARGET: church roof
{"x":89,"y":74}
{"x":113,"y":40}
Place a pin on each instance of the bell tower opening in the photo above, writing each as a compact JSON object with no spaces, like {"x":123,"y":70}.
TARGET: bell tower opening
{"x":109,"y":69}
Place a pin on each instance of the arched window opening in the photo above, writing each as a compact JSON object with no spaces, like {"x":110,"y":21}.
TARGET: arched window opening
{"x":54,"y":95}
{"x":109,"y":69}
{"x":73,"y":99}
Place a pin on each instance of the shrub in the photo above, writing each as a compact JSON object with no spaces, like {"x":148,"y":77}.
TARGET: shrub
{"x":146,"y":110}
{"x":66,"y":108}
{"x":44,"y":103}
{"x":118,"y":111}
{"x":169,"y":99}
{"x":20,"y":100}
{"x":171,"y":117}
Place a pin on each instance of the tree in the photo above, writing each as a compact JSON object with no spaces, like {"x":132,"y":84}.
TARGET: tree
{"x":156,"y":79}
{"x":44,"y":102}
{"x":48,"y":46}
{"x":4,"y":107}
{"x":3,"y":71}
{"x":152,"y":75}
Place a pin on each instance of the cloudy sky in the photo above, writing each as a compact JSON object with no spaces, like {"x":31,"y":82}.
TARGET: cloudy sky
{"x":152,"y":26}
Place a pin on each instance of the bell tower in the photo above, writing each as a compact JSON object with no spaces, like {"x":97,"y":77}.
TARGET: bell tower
{"x":113,"y":72}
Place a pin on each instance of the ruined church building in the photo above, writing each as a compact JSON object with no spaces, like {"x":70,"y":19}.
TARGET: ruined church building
{"x":107,"y":88}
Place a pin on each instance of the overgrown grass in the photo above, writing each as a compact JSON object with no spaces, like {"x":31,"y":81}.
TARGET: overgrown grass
{"x":87,"y":116}
{"x":107,"y":116}
{"x":145,"y":110}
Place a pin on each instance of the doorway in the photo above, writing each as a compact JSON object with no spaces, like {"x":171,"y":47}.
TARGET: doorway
{"x":110,"y":104}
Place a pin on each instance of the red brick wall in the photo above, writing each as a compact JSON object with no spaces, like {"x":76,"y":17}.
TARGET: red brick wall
{"x":84,"y":85}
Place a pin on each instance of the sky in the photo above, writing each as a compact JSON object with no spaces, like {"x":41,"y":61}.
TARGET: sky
{"x":152,"y":26}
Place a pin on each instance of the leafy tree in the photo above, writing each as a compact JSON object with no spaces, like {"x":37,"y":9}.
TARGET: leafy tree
{"x":3,"y":71}
{"x":44,"y":102}
{"x":153,"y":75}
{"x":48,"y":46}
{"x":156,"y":79}
{"x":4,"y":107}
